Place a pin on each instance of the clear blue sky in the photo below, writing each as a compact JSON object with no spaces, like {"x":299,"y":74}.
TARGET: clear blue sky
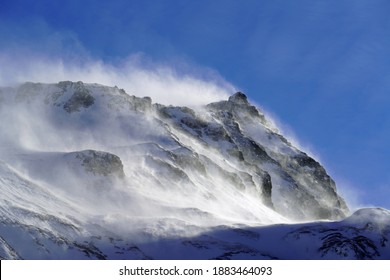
{"x":322,"y":67}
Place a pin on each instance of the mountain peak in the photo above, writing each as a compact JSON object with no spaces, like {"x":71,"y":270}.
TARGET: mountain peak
{"x":115,"y":158}
{"x":239,"y":98}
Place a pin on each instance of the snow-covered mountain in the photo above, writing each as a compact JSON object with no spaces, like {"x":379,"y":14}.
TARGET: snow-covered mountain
{"x":89,"y":171}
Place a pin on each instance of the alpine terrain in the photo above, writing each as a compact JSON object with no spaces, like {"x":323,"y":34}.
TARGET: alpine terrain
{"x":90,"y":172}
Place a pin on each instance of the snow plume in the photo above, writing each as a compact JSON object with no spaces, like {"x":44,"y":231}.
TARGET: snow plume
{"x":62,"y":152}
{"x":138,"y":75}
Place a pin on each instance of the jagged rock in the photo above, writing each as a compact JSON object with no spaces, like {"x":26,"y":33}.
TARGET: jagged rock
{"x":81,"y":97}
{"x":239,"y":98}
{"x":100,"y":163}
{"x":140,"y":104}
{"x":167,"y":171}
{"x":311,"y":192}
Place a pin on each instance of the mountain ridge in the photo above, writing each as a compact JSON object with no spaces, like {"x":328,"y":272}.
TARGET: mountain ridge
{"x":93,"y":159}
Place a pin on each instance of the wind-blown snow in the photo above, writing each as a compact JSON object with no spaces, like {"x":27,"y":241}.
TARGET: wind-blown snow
{"x":136,"y":74}
{"x":88,"y":171}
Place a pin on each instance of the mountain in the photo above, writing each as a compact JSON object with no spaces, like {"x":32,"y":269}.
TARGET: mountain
{"x":90,"y":172}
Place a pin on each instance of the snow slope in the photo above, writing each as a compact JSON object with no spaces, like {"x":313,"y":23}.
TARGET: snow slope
{"x":88,"y":171}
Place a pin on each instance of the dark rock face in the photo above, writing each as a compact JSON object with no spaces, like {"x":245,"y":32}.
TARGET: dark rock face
{"x":81,"y":98}
{"x":239,"y":98}
{"x":212,"y":134}
{"x":308,"y":189}
{"x":100,"y":163}
{"x":267,"y":189}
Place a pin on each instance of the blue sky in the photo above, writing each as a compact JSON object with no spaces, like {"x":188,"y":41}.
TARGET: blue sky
{"x":321,"y":67}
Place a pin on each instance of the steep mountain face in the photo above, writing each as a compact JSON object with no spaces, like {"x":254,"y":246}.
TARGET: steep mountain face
{"x":88,"y":171}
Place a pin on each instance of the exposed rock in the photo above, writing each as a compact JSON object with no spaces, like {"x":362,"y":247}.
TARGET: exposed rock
{"x":358,"y":247}
{"x":140,"y":104}
{"x":239,"y":98}
{"x":81,"y":98}
{"x":100,"y":163}
{"x":167,"y":171}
